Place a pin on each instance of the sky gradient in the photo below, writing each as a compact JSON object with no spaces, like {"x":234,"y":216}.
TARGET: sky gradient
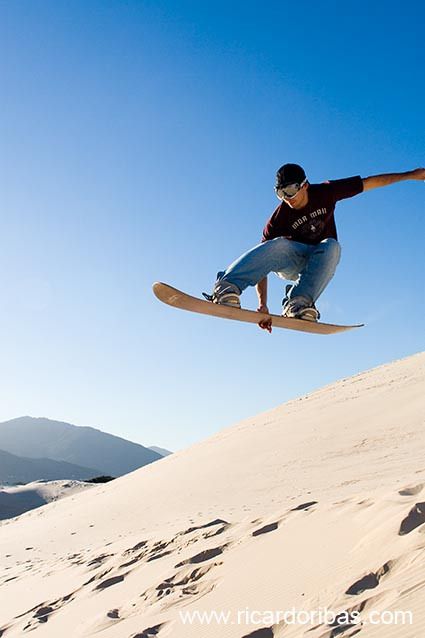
{"x":140,"y":141}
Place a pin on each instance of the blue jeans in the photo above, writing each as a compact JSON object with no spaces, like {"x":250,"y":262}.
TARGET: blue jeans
{"x":310,"y":267}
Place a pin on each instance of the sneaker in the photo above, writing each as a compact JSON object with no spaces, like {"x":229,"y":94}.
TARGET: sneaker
{"x":309,"y":314}
{"x":224,"y":293}
{"x":298,"y":308}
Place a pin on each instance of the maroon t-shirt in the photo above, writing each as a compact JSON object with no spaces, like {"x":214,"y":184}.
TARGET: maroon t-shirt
{"x":314,"y":222}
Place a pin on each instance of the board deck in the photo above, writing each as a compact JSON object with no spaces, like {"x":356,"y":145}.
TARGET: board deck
{"x":174,"y":297}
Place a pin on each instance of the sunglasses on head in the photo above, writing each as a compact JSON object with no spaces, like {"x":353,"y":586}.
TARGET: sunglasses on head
{"x":289,"y":191}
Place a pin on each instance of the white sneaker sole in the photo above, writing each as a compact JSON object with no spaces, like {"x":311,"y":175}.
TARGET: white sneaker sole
{"x":308,"y":314}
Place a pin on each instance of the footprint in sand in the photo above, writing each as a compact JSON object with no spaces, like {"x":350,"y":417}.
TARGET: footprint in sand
{"x":183,"y":583}
{"x":136,"y":548}
{"x":304,"y":506}
{"x":156,"y":551}
{"x":414,"y":519}
{"x":265,"y":529}
{"x":156,"y":556}
{"x":150,"y":632}
{"x":369,"y":581}
{"x":97,"y":577}
{"x":412,"y":490}
{"x":270,"y":527}
{"x":342,"y":625}
{"x":99,"y":560}
{"x":133,"y":561}
{"x":42,"y":612}
{"x":218,"y":531}
{"x":142,"y":545}
{"x":109,"y":582}
{"x":207,"y":554}
{"x":113,"y":613}
{"x":183,"y":578}
{"x":217,"y":521}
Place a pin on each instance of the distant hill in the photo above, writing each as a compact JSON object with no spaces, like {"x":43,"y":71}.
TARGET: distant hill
{"x":17,"y":500}
{"x":16,"y":469}
{"x":86,"y":446}
{"x":160,"y":450}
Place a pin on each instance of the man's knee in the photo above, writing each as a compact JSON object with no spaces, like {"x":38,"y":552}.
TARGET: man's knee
{"x":332,"y":247}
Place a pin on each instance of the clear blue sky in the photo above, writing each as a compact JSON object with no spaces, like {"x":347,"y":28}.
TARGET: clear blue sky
{"x":139,"y":143}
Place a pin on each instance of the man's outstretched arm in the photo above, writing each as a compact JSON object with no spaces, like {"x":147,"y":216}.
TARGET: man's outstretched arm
{"x":374,"y":181}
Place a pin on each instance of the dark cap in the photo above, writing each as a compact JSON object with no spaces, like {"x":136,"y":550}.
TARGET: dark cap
{"x":289,"y":174}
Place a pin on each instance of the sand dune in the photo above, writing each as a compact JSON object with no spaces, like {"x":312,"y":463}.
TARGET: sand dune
{"x":17,"y":500}
{"x":315,"y":507}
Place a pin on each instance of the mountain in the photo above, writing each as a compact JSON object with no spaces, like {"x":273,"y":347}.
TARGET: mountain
{"x":15,"y":469}
{"x":160,"y":450}
{"x":307,"y":520}
{"x":43,"y":438}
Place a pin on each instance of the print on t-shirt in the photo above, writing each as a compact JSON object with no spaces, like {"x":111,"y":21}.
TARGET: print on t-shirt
{"x":309,"y":226}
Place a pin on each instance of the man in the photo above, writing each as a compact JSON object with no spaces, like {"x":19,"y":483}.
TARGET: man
{"x":299,"y":242}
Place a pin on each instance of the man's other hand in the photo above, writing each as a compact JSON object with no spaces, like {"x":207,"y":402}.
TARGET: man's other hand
{"x":265,"y":324}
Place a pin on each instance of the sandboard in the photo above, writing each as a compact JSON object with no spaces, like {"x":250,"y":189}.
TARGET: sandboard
{"x":173,"y":297}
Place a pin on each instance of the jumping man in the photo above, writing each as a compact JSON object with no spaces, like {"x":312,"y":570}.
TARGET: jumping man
{"x":299,"y":243}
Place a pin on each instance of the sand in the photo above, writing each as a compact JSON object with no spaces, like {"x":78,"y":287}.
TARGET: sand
{"x":315,"y":507}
